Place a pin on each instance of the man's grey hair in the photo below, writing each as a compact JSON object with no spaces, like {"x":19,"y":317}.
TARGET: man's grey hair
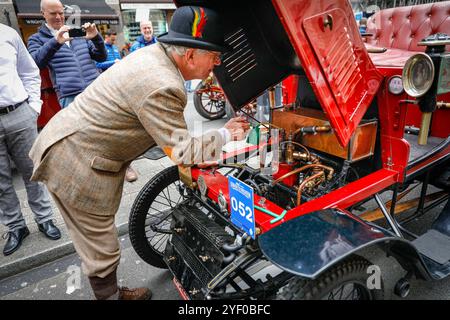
{"x":171,"y":48}
{"x":44,"y":2}
{"x":145,"y":22}
{"x":179,"y":50}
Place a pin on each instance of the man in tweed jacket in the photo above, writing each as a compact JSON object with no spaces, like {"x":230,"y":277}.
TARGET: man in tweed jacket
{"x":83,"y":152}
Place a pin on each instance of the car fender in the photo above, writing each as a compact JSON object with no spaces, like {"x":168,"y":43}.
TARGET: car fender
{"x":310,"y":244}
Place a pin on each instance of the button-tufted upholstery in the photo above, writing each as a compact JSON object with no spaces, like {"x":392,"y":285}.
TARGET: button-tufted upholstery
{"x":403,"y":27}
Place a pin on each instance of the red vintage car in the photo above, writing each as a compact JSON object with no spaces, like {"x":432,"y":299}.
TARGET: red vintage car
{"x":282,"y":218}
{"x":50,"y":104}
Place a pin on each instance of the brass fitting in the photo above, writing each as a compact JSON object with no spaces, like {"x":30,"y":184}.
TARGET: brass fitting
{"x":290,"y":149}
{"x":311,"y":181}
{"x":442,"y":104}
{"x":424,"y":128}
{"x":301,"y":156}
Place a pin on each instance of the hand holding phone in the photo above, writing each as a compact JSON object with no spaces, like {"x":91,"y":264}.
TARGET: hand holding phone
{"x":61,"y":36}
{"x":91,"y":30}
{"x":77,"y":33}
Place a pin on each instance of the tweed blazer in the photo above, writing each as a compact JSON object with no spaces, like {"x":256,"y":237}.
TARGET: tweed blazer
{"x":83,"y":152}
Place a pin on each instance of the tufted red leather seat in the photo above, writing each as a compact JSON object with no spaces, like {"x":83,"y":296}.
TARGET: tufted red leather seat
{"x":403,"y":27}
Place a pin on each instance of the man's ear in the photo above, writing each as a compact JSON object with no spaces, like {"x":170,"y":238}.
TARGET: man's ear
{"x":189,"y":56}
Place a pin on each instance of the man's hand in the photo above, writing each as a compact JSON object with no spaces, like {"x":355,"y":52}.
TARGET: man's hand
{"x":61,"y":36}
{"x":238,"y":128}
{"x":91,"y":30}
{"x":208,"y":164}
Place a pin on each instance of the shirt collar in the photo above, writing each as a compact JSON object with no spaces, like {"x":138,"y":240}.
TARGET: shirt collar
{"x":53,"y":31}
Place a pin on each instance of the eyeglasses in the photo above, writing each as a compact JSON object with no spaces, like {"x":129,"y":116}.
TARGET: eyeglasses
{"x":217,"y":57}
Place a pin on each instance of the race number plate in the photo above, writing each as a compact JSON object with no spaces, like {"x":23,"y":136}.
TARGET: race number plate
{"x":242,"y":209}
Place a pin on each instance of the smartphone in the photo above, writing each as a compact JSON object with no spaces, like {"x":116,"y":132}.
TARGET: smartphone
{"x":77,"y":32}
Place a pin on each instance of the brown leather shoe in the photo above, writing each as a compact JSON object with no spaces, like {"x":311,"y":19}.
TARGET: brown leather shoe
{"x":105,"y":288}
{"x":134,"y":294}
{"x":131,"y":174}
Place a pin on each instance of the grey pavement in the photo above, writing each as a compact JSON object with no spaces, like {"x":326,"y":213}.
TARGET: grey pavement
{"x":36,"y":249}
{"x":63,"y":280}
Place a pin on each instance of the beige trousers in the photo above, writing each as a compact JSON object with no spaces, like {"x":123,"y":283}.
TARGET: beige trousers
{"x":94,"y":237}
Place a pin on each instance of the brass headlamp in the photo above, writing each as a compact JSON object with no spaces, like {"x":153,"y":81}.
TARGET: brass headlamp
{"x":418,"y":75}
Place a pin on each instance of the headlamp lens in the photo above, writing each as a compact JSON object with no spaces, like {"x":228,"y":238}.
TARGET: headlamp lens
{"x":418,"y":75}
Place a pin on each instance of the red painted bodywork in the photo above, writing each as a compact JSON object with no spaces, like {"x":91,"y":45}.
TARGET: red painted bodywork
{"x":303,"y":23}
{"x":436,"y":157}
{"x":400,"y":30}
{"x":282,"y":170}
{"x":290,"y":89}
{"x":345,"y":80}
{"x":50,"y":104}
{"x":391,"y":63}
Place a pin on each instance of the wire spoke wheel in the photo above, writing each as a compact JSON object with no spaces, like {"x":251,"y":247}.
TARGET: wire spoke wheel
{"x":209,"y":101}
{"x":151,"y":215}
{"x":157,"y":222}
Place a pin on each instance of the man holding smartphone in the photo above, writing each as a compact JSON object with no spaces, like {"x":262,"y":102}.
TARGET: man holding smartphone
{"x":69,"y":59}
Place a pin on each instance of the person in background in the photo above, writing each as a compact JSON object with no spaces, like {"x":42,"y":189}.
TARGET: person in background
{"x":112,"y":50}
{"x":146,"y":38}
{"x":70,"y":61}
{"x":125,"y":50}
{"x":20,"y":105}
{"x":363,"y":25}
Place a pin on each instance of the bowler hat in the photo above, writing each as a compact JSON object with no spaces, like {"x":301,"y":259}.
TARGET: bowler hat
{"x":195,"y":27}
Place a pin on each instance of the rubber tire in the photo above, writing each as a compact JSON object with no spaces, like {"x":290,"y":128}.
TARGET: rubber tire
{"x":199,"y":106}
{"x":136,"y":223}
{"x":350,"y":269}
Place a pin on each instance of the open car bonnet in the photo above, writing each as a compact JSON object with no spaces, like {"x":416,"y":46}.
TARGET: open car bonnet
{"x":274,"y":39}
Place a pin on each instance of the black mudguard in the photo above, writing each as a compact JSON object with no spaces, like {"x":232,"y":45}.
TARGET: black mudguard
{"x":309,"y":245}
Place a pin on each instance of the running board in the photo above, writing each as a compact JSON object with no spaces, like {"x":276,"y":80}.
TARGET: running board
{"x":428,"y":161}
{"x":434,"y":247}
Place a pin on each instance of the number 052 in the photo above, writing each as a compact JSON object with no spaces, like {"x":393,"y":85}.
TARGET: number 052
{"x":242,"y":209}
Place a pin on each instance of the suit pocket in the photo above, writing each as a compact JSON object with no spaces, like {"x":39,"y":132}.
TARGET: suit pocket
{"x":104,"y":164}
{"x":33,"y":112}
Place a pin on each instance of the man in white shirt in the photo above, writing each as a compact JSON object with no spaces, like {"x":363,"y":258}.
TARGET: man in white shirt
{"x":20,"y":105}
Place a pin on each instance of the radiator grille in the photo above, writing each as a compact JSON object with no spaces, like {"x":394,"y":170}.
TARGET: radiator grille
{"x":191,"y":260}
{"x":214,"y":233}
{"x":241,"y":59}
